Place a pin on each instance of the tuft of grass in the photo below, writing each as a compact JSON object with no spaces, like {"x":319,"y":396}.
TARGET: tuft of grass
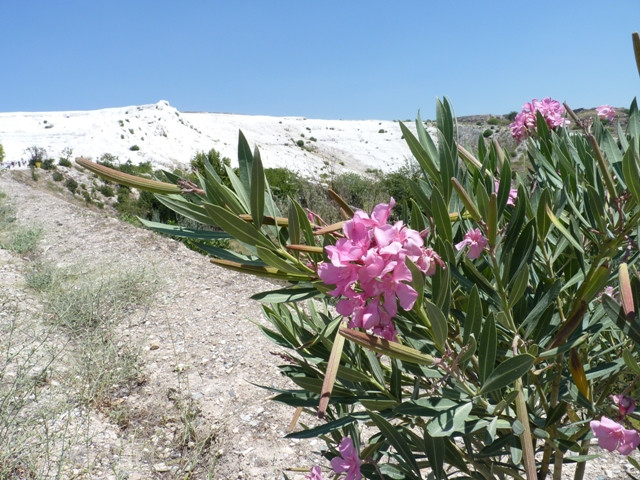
{"x":22,"y":240}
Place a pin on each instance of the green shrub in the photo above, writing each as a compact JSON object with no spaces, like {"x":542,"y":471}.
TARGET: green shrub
{"x":218,"y":163}
{"x":493,"y":121}
{"x":134,"y":148}
{"x":36,"y":156}
{"x":1,"y":153}
{"x":487,"y":133}
{"x":106,"y":190}
{"x":48,"y":164}
{"x":300,"y":143}
{"x":63,"y":162}
{"x":71,"y":185}
{"x":57,"y":177}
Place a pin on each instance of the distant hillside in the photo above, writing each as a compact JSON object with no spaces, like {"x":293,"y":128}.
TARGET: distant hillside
{"x":166,"y":137}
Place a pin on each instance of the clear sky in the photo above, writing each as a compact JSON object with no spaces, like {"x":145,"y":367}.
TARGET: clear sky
{"x":332,"y":59}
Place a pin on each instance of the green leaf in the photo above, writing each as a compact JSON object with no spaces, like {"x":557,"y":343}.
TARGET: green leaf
{"x":286,"y":295}
{"x":439,"y":325}
{"x":183,"y":232}
{"x":329,"y":427}
{"x":396,"y":439}
{"x":424,"y":157}
{"x":234,"y":225}
{"x":487,"y":348}
{"x":630,"y":361}
{"x":572,"y":240}
{"x":245,"y":163}
{"x":257,"y":191}
{"x":469,"y":205}
{"x":519,"y":284}
{"x":187,"y":209}
{"x":450,"y":421}
{"x":271,"y":257}
{"x":507,"y":372}
{"x":473,"y":320}
{"x":434,"y":447}
{"x":441,"y":217}
{"x":616,"y":313}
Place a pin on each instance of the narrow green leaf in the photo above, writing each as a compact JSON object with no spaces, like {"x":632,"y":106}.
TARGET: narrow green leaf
{"x":519,"y":284}
{"x":242,"y":194}
{"x":441,"y":217}
{"x":469,"y":205}
{"x":556,"y":222}
{"x":438,"y":324}
{"x":187,"y":209}
{"x":422,"y":156}
{"x":183,"y":232}
{"x":257,"y":191}
{"x":487,"y":348}
{"x":328,"y":427}
{"x":245,"y":162}
{"x":507,"y":372}
{"x":630,"y":361}
{"x":286,"y":295}
{"x":271,"y":257}
{"x":435,"y":450}
{"x":234,"y":225}
{"x":396,"y":439}
{"x":473,"y":320}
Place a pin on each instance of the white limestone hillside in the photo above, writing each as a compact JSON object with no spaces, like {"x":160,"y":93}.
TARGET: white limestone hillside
{"x":169,"y":138}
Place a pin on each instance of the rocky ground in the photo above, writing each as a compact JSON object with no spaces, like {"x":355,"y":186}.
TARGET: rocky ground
{"x":195,"y":411}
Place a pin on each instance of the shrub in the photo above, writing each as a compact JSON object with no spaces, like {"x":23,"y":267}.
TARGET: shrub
{"x":489,"y":336}
{"x":71,"y":185}
{"x":36,"y":156}
{"x":48,"y":164}
{"x":57,"y":177}
{"x":134,"y":148}
{"x":487,"y":133}
{"x":300,"y":143}
{"x":1,"y":153}
{"x":218,"y":163}
{"x":106,"y":190}
{"x":493,"y":121}
{"x":63,"y":162}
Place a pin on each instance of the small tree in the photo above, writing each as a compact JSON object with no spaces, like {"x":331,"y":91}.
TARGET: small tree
{"x":36,"y":156}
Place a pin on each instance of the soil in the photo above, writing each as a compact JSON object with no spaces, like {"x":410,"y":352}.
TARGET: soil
{"x":202,"y":354}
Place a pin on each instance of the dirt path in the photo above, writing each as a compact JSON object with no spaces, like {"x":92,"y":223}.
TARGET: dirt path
{"x":197,"y":408}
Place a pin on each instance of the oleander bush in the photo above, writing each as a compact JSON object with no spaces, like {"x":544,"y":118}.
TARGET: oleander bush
{"x":491,"y":332}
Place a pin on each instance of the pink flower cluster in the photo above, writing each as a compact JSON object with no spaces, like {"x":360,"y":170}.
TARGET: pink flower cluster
{"x":606,"y":112}
{"x":613,"y":436}
{"x":525,"y":122}
{"x":368,"y":268}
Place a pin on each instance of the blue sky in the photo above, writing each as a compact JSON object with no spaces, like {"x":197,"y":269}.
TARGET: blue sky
{"x":328,"y":59}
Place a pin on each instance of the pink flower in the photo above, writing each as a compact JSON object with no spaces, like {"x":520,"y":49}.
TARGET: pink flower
{"x":606,"y":112}
{"x":348,"y":461}
{"x":315,"y":473}
{"x":613,"y":436}
{"x":626,"y":405}
{"x":525,"y":122}
{"x":369,"y":272}
{"x":476,"y":242}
